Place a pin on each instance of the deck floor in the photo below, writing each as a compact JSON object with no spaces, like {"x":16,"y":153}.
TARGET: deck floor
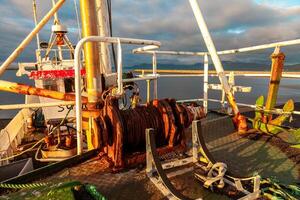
{"x":243,"y":155}
{"x":255,"y":154}
{"x":246,"y":157}
{"x":131,"y":184}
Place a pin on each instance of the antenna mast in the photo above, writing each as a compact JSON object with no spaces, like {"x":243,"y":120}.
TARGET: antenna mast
{"x":103,"y":21}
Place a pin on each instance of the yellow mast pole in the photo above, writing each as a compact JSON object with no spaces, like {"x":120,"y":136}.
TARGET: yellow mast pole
{"x":91,"y":50}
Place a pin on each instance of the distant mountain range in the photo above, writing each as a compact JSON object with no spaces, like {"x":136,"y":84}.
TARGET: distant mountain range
{"x":228,"y":65}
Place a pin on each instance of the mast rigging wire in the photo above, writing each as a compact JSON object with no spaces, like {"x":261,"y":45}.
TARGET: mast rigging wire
{"x":110,"y":32}
{"x":77,"y":19}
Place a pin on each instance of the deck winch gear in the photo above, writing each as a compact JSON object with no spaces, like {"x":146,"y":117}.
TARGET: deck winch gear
{"x":121,"y":132}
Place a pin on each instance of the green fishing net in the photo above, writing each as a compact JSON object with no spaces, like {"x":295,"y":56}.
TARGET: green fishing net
{"x":58,"y":191}
{"x":274,"y":190}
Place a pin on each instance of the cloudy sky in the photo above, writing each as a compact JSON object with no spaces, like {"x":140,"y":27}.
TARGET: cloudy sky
{"x":233,"y":23}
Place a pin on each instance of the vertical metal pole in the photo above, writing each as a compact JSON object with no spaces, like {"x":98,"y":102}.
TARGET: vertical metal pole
{"x":149,"y":159}
{"x":154,"y":65}
{"x":213,"y":53}
{"x":205,"y":84}
{"x":223,"y":99}
{"x":195,"y":141}
{"x":232,"y":81}
{"x":232,"y":84}
{"x":103,"y":30}
{"x":120,"y":69}
{"x":148,"y":90}
{"x":38,"y":51}
{"x":35,"y":23}
{"x":77,"y":19}
{"x":91,"y":50}
{"x":56,"y":21}
{"x":78,"y":106}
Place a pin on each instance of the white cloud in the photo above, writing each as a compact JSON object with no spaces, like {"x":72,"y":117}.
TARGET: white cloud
{"x":234,"y":23}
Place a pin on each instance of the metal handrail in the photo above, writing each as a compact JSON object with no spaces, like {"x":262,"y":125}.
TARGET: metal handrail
{"x":275,"y":111}
{"x":205,"y":55}
{"x":223,"y":52}
{"x":246,"y":74}
{"x":36,"y":105}
{"x":42,"y":60}
{"x":149,"y":45}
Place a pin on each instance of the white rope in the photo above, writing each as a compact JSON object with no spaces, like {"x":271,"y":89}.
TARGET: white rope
{"x":77,"y":19}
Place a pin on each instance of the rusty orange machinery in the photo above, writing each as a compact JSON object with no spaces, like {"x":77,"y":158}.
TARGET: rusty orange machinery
{"x":120,"y":134}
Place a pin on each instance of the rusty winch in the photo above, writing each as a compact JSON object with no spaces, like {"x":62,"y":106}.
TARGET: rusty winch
{"x":120,"y":134}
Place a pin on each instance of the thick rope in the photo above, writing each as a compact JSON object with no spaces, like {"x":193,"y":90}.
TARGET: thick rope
{"x":22,"y":186}
{"x":21,"y":153}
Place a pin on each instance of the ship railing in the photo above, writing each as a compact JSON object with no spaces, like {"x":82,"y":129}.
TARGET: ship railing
{"x":9,"y":144}
{"x":206,"y":73}
{"x":36,"y":105}
{"x":149,"y":49}
{"x":54,"y":54}
{"x":224,"y":52}
{"x":52,"y":61}
{"x":12,"y":134}
{"x":148,"y":45}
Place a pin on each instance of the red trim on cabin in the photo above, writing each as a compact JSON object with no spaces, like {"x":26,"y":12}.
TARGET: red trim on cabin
{"x":54,"y":74}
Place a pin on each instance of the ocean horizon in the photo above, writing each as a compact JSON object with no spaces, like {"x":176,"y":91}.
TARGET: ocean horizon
{"x":179,"y":89}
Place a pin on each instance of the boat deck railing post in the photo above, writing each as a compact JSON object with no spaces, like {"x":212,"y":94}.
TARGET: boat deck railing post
{"x":154,"y":66}
{"x":205,"y":83}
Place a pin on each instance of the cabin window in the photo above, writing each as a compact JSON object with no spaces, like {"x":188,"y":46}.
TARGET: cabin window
{"x":50,"y":85}
{"x":69,"y":85}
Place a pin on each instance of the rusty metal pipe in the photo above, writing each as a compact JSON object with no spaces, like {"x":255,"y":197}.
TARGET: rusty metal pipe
{"x":276,"y":74}
{"x":29,"y":38}
{"x":29,"y":90}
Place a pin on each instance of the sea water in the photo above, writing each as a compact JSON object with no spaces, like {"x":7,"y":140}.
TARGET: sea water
{"x":178,"y":88}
